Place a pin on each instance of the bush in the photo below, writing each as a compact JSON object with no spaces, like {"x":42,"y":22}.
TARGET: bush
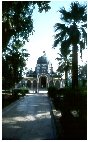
{"x":8,"y":99}
{"x":21,"y":91}
{"x":52,"y":92}
{"x":67,"y":99}
{"x":73,"y":100}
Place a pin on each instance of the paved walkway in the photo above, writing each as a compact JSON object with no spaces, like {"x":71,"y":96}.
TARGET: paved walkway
{"x":28,"y":119}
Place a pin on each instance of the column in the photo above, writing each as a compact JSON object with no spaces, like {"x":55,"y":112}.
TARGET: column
{"x":37,"y":84}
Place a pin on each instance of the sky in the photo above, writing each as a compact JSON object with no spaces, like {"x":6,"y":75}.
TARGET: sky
{"x":43,"y":37}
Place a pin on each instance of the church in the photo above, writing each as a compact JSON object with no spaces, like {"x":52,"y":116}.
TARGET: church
{"x":43,"y":76}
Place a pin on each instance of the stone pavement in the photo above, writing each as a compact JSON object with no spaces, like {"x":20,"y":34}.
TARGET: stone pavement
{"x":28,"y":119}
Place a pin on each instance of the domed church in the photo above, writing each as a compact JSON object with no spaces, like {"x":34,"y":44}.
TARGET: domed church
{"x":43,"y":76}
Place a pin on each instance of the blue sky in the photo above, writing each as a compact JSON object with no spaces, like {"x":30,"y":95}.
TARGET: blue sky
{"x":43,"y":37}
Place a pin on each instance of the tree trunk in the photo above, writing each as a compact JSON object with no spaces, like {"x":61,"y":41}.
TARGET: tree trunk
{"x":66,"y":78}
{"x":75,"y":67}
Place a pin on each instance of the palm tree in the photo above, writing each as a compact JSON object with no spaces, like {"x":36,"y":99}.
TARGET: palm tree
{"x":64,"y":66}
{"x":72,"y":34}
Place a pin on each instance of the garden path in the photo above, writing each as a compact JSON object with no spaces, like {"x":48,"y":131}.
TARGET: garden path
{"x":28,"y":119}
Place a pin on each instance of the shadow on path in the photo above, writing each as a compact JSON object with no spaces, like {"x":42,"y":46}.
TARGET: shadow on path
{"x":28,"y":119}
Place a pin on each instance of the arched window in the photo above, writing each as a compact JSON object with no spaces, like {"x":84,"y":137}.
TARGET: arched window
{"x":29,"y":83}
{"x":57,"y":84}
{"x":43,"y":82}
{"x":51,"y":83}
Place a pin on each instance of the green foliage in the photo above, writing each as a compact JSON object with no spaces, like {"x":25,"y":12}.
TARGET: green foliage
{"x":17,"y":25}
{"x":8,"y":99}
{"x":68,"y":99}
{"x":42,"y":5}
{"x":83,"y":72}
{"x":52,"y":91}
{"x":17,"y":22}
{"x":21,"y":91}
{"x":77,"y":12}
{"x":13,"y":62}
{"x":75,"y":100}
{"x":82,"y":75}
{"x":71,"y":34}
{"x":64,"y":65}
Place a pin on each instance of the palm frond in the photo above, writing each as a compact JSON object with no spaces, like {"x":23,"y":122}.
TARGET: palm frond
{"x":65,"y":16}
{"x":60,"y":37}
{"x":84,"y":18}
{"x":56,"y":42}
{"x":82,"y":46}
{"x":57,"y":35}
{"x":60,"y":55}
{"x":84,"y":35}
{"x":58,"y":59}
{"x":59,"y":26}
{"x":65,"y":47}
{"x":84,"y":25}
{"x":78,"y":11}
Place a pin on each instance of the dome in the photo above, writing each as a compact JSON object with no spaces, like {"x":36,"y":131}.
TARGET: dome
{"x":42,"y":60}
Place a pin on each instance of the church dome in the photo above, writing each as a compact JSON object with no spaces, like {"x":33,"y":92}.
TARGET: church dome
{"x":42,"y":60}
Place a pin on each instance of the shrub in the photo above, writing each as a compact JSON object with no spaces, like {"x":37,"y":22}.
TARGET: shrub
{"x":8,"y":99}
{"x":21,"y":91}
{"x":52,"y":92}
{"x":73,"y":100}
